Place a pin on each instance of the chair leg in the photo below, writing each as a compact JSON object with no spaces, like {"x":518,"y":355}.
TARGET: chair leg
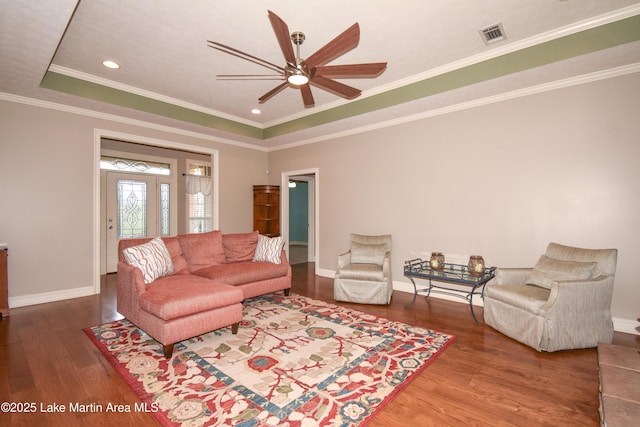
{"x":234,"y":328}
{"x":168,"y":350}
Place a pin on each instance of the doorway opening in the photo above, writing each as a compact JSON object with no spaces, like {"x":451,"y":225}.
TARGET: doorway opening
{"x":300,"y":208}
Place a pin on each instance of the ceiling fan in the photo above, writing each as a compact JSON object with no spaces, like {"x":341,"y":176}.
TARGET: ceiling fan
{"x":301,"y":73}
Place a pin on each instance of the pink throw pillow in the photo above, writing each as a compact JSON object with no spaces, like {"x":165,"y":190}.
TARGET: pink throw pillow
{"x":240,"y":246}
{"x":179,"y":263}
{"x":202,"y":249}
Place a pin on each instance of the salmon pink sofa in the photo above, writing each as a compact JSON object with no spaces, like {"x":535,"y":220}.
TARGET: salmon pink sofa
{"x":175,"y":288}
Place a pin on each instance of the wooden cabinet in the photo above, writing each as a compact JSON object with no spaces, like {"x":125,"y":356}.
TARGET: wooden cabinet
{"x":266,"y":209}
{"x":4,"y":284}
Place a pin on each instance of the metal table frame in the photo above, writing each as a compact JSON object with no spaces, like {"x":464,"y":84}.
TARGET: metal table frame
{"x":452,"y":273}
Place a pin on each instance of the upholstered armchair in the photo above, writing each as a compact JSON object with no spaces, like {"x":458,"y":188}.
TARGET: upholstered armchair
{"x":364,"y":272}
{"x":562,"y":303}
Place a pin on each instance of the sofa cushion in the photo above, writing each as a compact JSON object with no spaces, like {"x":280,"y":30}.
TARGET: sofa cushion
{"x":240,"y":246}
{"x":364,"y":253}
{"x":269,"y":249}
{"x":180,"y":295}
{"x":530,"y":299}
{"x":202,"y":249}
{"x":239,"y":273}
{"x":548,"y":270}
{"x":370,"y":272}
{"x":152,"y":258}
{"x":179,"y":263}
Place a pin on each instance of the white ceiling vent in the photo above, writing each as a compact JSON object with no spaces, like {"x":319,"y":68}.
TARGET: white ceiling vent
{"x":493,"y":33}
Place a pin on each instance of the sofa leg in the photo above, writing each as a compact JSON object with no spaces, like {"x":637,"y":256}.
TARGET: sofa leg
{"x":287,"y":292}
{"x":168,"y":350}
{"x":234,"y":328}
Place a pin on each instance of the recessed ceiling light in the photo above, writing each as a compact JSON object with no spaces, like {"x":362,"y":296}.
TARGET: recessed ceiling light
{"x":256,"y":111}
{"x":111,"y":64}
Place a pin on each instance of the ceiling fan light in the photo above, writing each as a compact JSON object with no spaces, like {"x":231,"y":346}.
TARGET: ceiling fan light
{"x":298,"y":79}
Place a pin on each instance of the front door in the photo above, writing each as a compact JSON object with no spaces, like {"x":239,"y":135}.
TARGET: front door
{"x":132,"y":211}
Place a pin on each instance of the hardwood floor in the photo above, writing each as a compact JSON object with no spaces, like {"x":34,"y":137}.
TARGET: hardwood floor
{"x":484,"y":378}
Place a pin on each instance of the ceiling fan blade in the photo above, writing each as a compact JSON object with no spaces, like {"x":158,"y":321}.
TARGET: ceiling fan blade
{"x":243,"y":55}
{"x":335,"y":87}
{"x":307,"y":96}
{"x":273,"y":92}
{"x":373,"y":69}
{"x":283,"y":36}
{"x":249,"y":77}
{"x":340,"y":45}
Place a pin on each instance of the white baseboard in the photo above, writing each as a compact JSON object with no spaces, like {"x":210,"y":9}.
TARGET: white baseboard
{"x":627,"y":326}
{"x":25,"y":300}
{"x":322,"y":272}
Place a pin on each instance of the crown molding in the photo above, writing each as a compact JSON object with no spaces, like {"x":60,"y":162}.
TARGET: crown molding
{"x":125,"y":120}
{"x":533,"y":90}
{"x":149,"y":94}
{"x":505,"y":49}
{"x":560,"y":84}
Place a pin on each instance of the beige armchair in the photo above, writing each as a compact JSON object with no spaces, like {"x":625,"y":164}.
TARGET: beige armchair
{"x":364,"y":272}
{"x":562,"y":303}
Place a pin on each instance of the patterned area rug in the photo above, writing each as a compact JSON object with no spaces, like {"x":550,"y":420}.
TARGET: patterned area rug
{"x":294,"y":362}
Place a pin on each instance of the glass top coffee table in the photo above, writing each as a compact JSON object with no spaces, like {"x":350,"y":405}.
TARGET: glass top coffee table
{"x":441,"y":280}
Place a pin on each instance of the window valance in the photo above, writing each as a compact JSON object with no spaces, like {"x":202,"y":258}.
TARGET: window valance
{"x":198,"y":184}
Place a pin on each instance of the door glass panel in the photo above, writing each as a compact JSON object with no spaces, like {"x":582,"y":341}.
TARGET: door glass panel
{"x":132,"y":209}
{"x":129,"y":165}
{"x":165,"y":209}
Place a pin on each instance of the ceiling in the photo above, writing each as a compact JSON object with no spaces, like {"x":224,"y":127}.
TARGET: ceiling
{"x":52,"y":52}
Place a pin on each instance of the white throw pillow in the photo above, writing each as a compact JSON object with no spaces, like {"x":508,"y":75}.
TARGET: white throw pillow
{"x":269,"y":249}
{"x":152,"y":258}
{"x":364,"y":253}
{"x":548,"y":270}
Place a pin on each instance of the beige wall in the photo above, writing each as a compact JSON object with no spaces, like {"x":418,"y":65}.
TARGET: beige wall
{"x":47,"y":201}
{"x":500,"y":180}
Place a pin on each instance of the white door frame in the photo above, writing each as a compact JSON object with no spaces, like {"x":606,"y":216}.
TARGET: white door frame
{"x":311,"y":201}
{"x":98,"y":134}
{"x":314,"y":209}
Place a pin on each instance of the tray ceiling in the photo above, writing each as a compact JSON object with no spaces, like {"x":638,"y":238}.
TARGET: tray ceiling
{"x":437,"y":59}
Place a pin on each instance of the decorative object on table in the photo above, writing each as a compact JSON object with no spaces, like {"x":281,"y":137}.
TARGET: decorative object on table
{"x":437,"y":261}
{"x":294,"y":361}
{"x":364,"y":271}
{"x":562,"y":303}
{"x":456,"y":274}
{"x":476,"y":265}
